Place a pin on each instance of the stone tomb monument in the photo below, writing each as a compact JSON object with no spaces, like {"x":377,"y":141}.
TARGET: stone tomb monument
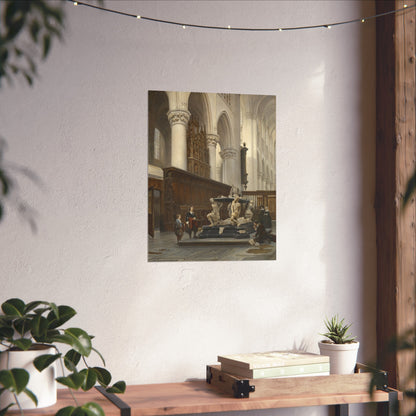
{"x":236,"y":226}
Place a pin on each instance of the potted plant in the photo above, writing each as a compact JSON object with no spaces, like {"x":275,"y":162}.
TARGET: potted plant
{"x":34,"y":331}
{"x":341,"y":347}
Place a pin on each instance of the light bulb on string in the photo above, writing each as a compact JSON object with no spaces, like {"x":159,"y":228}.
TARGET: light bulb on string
{"x":405,"y":8}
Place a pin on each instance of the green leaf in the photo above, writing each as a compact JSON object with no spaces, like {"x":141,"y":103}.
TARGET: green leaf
{"x":59,"y":315}
{"x":15,"y":28}
{"x":103,"y":376}
{"x":39,"y":327}
{"x":65,"y":411}
{"x":90,"y":379}
{"x":119,"y":387}
{"x":44,"y":361}
{"x":6,"y":332}
{"x":77,"y":338}
{"x":33,"y":305}
{"x":93,"y":409}
{"x":410,"y":188}
{"x":31,"y":396}
{"x":14,"y":380}
{"x":71,"y":360}
{"x":54,"y":309}
{"x":34,"y":30}
{"x":98,"y":353}
{"x":88,"y":409}
{"x":46,"y":45}
{"x":4,"y":411}
{"x":13,"y":307}
{"x":28,"y":78}
{"x":22,"y":325}
{"x":22,"y":343}
{"x":73,"y":381}
{"x":6,"y":183}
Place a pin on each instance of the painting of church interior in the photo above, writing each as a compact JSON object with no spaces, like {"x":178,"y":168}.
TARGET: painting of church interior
{"x":211,"y":169}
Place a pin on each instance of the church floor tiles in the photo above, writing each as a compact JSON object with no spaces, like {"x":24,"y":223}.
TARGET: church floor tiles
{"x":164,"y":248}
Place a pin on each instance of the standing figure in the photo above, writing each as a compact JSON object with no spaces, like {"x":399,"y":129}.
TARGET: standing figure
{"x":249,"y":211}
{"x":267,"y":219}
{"x":261,"y":235}
{"x":214,"y":216}
{"x":235,"y":209}
{"x":191,"y":222}
{"x":178,"y":228}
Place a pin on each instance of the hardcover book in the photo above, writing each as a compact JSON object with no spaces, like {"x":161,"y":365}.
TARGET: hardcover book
{"x":269,"y":359}
{"x":282,"y":371}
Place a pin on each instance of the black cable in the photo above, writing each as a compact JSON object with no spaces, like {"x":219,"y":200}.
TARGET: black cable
{"x":278,"y":29}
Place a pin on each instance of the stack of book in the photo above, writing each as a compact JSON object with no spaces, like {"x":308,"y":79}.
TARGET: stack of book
{"x":275,"y":364}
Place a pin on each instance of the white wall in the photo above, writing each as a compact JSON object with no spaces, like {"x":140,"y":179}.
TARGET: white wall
{"x":83,"y":130}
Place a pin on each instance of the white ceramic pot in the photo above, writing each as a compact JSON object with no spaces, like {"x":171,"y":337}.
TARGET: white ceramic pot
{"x":342,"y":357}
{"x":42,"y":384}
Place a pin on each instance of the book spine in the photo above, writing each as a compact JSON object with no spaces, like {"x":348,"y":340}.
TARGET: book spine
{"x":293,"y":370}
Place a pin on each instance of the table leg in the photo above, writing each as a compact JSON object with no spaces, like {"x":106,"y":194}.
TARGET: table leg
{"x":341,"y":410}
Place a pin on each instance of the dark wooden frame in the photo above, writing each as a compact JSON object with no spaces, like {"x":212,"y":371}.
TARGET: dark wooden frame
{"x":395,"y":163}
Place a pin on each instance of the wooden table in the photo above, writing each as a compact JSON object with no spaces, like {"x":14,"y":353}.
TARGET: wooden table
{"x":193,"y":397}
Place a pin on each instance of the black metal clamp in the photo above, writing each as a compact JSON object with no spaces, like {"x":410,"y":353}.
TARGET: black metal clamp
{"x":242,"y":389}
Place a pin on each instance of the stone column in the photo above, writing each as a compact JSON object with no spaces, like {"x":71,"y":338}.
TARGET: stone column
{"x":178,"y":120}
{"x":249,"y":136}
{"x":231,"y":169}
{"x":212,"y":140}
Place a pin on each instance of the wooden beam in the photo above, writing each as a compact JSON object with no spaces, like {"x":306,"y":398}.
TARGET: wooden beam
{"x":395,"y":163}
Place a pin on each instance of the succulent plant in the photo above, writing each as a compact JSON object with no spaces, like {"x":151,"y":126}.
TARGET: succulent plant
{"x":337,"y":331}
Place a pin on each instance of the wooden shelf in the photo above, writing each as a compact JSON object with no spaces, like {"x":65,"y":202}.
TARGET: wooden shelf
{"x":197,"y":396}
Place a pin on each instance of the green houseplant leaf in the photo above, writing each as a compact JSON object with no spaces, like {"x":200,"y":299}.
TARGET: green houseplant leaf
{"x":90,"y":378}
{"x":39,"y":324}
{"x":14,"y":380}
{"x":13,"y":307}
{"x":45,"y":360}
{"x":60,"y":315}
{"x":88,"y":409}
{"x":5,"y":410}
{"x":73,"y":381}
{"x":77,"y":338}
{"x":103,"y":376}
{"x":119,"y":387}
{"x":71,"y":360}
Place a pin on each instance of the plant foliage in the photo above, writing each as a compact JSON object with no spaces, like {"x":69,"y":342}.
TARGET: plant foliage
{"x":337,"y":331}
{"x":22,"y":326}
{"x":27,"y":31}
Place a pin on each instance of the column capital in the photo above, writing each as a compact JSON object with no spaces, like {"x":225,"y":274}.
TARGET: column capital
{"x":178,"y":117}
{"x":212,"y":139}
{"x":229,"y":153}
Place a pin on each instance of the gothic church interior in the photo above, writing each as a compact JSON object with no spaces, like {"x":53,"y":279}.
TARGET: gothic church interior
{"x":203,"y":145}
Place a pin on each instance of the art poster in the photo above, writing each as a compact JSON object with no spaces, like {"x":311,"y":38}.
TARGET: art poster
{"x":211,"y":177}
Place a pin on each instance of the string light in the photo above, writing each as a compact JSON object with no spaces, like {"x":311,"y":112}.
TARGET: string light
{"x":246,"y":29}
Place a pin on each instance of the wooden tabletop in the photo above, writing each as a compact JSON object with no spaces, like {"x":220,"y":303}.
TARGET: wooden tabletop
{"x":199,"y":397}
